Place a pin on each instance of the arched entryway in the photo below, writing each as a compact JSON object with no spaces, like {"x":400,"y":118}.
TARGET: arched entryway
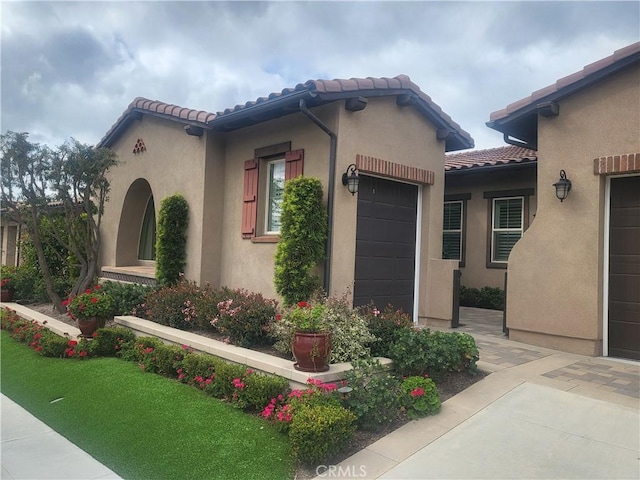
{"x":137,"y":227}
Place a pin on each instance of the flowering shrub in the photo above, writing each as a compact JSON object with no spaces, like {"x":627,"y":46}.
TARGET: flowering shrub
{"x":93,"y":303}
{"x":184,"y":305}
{"x":109,"y":342}
{"x":76,"y":349}
{"x":420,"y":397}
{"x":245,"y":317}
{"x":7,"y":277}
{"x":384,"y":326}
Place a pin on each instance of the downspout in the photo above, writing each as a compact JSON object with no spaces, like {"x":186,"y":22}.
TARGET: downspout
{"x":330,"y":191}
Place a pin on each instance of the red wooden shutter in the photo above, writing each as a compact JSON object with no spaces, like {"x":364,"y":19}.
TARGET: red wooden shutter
{"x":293,"y":164}
{"x":250,"y":198}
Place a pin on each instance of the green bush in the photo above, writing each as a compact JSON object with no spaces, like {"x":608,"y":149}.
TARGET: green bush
{"x":225,"y":374}
{"x":487,"y":297}
{"x":171,"y":239}
{"x":196,"y":365}
{"x":126,"y":296}
{"x":420,"y":397}
{"x":245,"y":317}
{"x":318,"y":432}
{"x":108,"y":342}
{"x":253,"y":391}
{"x":53,"y":345}
{"x":375,"y":398}
{"x":303,"y":236}
{"x":385,"y":326}
{"x":168,"y":359}
{"x":420,"y":352}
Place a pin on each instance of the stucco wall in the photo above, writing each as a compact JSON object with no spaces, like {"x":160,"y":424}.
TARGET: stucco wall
{"x":475,"y":272}
{"x":556,"y":269}
{"x":173,"y":162}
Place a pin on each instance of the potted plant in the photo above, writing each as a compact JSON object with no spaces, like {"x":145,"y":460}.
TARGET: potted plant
{"x":90,"y":309}
{"x":311,"y":344}
{"x":7,"y":283}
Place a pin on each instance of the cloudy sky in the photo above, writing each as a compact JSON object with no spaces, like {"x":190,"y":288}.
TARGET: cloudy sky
{"x":69,"y":69}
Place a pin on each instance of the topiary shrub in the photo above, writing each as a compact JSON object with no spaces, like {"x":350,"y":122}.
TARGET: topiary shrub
{"x":303,"y":236}
{"x":318,"y":432}
{"x":420,"y":397}
{"x":171,"y":239}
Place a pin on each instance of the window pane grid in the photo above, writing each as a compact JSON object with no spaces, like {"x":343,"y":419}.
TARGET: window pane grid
{"x":275,"y":190}
{"x":508,"y":216}
{"x":452,"y":231}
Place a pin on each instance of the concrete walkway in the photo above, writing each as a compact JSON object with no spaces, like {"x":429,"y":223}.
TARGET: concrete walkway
{"x":540,"y":414}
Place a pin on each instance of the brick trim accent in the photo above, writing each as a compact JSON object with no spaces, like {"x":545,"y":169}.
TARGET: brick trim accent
{"x":385,"y":168}
{"x":627,"y":163}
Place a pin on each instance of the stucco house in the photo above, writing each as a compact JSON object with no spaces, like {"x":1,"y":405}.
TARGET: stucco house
{"x":574,"y":276}
{"x":385,"y":242}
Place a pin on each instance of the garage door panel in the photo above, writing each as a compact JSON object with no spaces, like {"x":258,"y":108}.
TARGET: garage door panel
{"x":385,"y":243}
{"x":624,"y":268}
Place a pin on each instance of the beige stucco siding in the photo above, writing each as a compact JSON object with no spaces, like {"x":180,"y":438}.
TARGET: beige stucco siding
{"x":173,"y":162}
{"x":245,"y":263}
{"x":475,"y":272}
{"x":557,"y":267}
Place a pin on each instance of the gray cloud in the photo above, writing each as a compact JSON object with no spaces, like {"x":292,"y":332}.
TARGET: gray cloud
{"x":71,"y":68}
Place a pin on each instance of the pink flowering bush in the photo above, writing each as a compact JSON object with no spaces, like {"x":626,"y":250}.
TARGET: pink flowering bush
{"x":420,"y":397}
{"x":245,"y":317}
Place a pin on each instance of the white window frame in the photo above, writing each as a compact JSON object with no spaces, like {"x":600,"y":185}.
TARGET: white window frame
{"x":267,"y":210}
{"x":458,"y":231}
{"x":495,"y":230}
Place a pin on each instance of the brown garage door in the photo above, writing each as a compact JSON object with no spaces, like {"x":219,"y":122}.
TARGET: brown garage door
{"x":624,"y":268}
{"x":386,"y":243}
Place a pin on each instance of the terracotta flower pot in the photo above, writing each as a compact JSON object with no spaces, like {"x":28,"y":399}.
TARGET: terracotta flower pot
{"x":6,"y":295}
{"x":311,"y":351}
{"x":88,"y":326}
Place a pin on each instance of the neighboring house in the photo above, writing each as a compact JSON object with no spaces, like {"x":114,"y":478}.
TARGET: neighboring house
{"x":574,"y":276}
{"x":385,"y":243}
{"x":489,"y":203}
{"x":9,"y":240}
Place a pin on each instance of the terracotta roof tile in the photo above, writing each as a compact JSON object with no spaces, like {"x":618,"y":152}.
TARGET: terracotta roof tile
{"x":588,"y":70}
{"x":491,"y":157}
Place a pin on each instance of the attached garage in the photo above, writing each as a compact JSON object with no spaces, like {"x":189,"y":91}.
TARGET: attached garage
{"x":624,"y":268}
{"x":386,"y":243}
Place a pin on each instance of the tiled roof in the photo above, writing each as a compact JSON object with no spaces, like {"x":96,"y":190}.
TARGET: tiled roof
{"x":490,"y":157}
{"x":567,"y":81}
{"x":317,"y":91}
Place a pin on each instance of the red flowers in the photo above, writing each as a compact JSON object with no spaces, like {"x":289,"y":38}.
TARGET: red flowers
{"x":417,"y":392}
{"x":94,"y":300}
{"x":302,"y":304}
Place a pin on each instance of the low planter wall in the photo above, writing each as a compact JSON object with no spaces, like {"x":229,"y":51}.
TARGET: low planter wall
{"x":256,"y":360}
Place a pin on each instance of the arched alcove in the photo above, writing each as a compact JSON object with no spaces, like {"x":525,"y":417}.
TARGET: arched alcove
{"x":136,"y":234}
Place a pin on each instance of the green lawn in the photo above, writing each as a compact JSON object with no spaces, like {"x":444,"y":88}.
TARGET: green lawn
{"x":139,"y":424}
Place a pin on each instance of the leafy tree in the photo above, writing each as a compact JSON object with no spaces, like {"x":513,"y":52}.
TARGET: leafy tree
{"x":171,"y":239}
{"x":40,"y":182}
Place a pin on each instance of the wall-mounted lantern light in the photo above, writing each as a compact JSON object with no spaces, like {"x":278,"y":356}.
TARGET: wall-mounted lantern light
{"x":563,"y":186}
{"x":351,"y":179}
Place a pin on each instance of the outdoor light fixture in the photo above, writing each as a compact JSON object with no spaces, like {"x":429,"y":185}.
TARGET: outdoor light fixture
{"x":563,"y":186}
{"x":351,"y":179}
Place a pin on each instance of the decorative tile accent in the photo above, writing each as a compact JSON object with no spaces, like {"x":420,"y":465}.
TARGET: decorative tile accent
{"x":140,"y":147}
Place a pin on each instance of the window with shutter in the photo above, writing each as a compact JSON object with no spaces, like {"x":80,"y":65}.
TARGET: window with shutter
{"x":264,"y":179}
{"x":507,"y":226}
{"x":452,"y":231}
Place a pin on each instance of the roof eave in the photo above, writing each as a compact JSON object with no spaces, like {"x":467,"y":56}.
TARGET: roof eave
{"x":490,"y":168}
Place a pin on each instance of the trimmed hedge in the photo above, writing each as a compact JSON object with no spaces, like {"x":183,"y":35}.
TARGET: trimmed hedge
{"x":171,"y":240}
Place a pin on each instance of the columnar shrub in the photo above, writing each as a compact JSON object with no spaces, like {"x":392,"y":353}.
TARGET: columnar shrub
{"x":420,"y":397}
{"x":245,"y":317}
{"x":171,"y":239}
{"x":319,"y":431}
{"x":385,"y":326}
{"x":303,"y":235}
